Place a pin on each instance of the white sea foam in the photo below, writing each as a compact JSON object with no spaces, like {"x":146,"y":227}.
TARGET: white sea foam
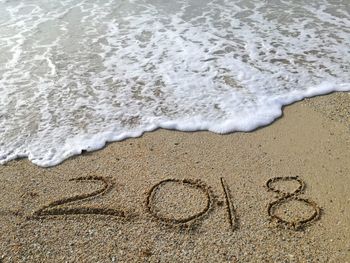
{"x":75,"y":74}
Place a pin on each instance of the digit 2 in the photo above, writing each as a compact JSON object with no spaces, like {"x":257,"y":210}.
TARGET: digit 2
{"x":55,"y":208}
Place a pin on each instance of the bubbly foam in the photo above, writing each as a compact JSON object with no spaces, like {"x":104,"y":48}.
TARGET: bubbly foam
{"x":75,"y":74}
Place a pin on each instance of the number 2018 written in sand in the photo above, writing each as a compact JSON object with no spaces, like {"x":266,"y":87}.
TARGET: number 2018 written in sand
{"x":61,"y":207}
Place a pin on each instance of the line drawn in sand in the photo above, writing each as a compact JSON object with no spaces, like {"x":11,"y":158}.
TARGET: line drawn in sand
{"x":232,"y":214}
{"x":286,"y":197}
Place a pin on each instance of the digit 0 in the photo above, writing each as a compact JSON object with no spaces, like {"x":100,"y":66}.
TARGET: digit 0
{"x":197,"y":185}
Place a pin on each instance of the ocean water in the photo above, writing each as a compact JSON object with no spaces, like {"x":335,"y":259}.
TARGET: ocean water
{"x":75,"y":74}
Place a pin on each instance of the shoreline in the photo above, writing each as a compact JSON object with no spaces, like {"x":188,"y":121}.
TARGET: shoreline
{"x":214,"y":182}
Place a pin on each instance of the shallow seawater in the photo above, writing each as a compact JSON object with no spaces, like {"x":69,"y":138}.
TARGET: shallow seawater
{"x":75,"y":74}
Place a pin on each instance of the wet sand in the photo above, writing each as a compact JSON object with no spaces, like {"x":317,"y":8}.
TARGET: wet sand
{"x":191,"y":197}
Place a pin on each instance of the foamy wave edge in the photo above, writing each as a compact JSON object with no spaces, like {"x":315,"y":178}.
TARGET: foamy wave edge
{"x":265,"y":116}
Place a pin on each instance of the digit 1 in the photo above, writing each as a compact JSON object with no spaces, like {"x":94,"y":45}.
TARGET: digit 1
{"x":232,"y":215}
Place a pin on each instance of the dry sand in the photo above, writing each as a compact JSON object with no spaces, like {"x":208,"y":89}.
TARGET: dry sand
{"x":191,"y":197}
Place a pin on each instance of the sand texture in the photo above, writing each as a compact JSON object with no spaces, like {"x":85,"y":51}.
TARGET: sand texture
{"x":278,"y":194}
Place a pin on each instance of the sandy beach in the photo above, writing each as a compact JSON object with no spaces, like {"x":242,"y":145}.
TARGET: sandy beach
{"x":172,"y":196}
